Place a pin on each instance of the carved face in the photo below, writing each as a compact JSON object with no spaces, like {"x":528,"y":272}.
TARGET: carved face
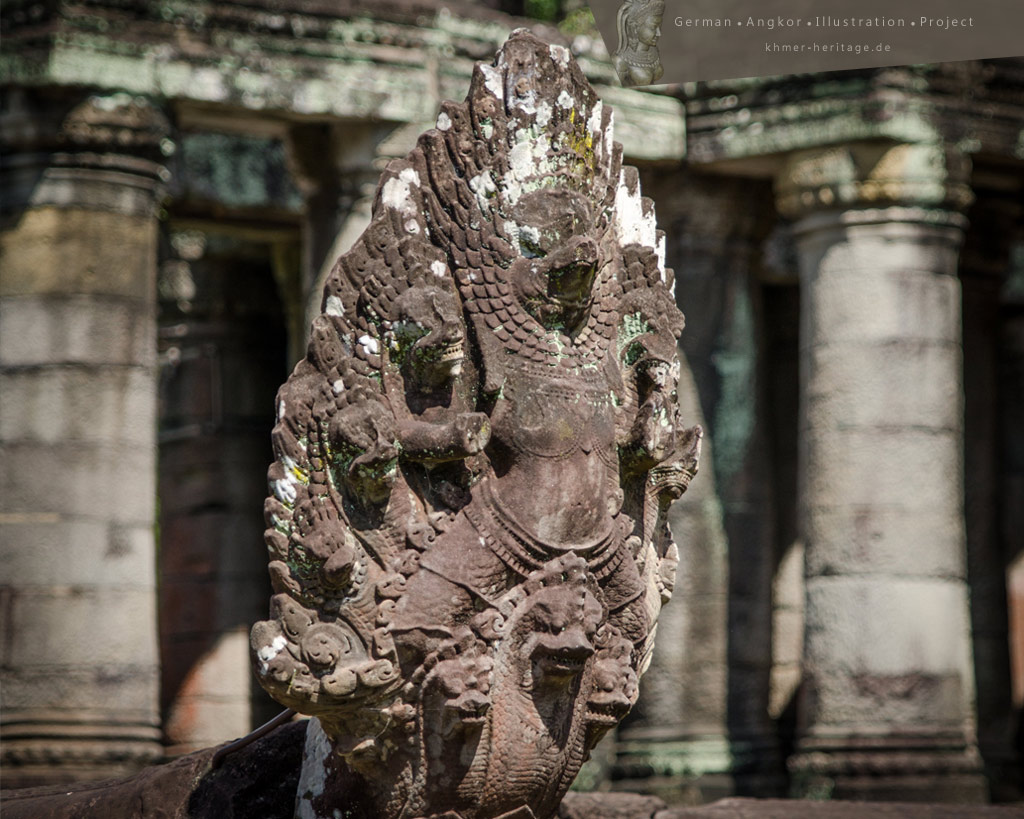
{"x":555,"y":276}
{"x":428,"y":336}
{"x":563,"y":623}
{"x":644,"y":24}
{"x":649,"y":32}
{"x":362,"y":438}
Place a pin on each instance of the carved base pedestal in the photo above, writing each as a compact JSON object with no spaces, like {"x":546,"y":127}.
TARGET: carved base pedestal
{"x":888,"y":769}
{"x":41,"y":753}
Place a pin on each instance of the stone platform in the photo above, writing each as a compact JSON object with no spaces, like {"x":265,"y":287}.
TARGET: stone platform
{"x":260,"y":780}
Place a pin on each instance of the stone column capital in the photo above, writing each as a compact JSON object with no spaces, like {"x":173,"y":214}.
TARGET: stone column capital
{"x":97,"y":151}
{"x":926,"y":177}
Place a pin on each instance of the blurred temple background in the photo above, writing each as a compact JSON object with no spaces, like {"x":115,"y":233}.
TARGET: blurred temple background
{"x":177,"y":177}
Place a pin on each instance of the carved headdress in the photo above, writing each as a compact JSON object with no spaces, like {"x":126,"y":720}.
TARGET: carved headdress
{"x":511,"y":274}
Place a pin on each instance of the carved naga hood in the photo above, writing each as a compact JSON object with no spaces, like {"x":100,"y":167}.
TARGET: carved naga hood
{"x":474,"y":462}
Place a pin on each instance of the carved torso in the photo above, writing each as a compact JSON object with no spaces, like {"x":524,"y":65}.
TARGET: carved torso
{"x":474,"y":461}
{"x":556,"y":433}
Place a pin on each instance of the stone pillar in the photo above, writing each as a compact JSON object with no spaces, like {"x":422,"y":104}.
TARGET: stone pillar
{"x":702,"y":723}
{"x":337,"y":168}
{"x":984,"y":265}
{"x":886,"y":707}
{"x":82,"y":181}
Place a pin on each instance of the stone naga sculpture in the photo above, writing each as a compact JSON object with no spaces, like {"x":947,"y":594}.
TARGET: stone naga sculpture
{"x":636,"y":58}
{"x":467,"y":519}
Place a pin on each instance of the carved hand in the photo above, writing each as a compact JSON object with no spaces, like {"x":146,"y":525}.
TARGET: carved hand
{"x":465,"y":435}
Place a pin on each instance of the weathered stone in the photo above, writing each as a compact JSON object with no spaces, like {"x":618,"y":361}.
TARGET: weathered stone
{"x":34,"y":548}
{"x":608,"y":806}
{"x":886,"y":295}
{"x":63,"y":620}
{"x":468,"y":512}
{"x":866,"y":480}
{"x":714,"y":226}
{"x":850,"y":385}
{"x":794,"y":809}
{"x":207,"y":705}
{"x":891,"y":540}
{"x":80,"y":480}
{"x":76,"y":251}
{"x":62,"y":405}
{"x":88,"y":329}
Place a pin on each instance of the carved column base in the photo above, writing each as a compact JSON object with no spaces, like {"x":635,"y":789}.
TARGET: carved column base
{"x":698,"y":768}
{"x":41,"y":752}
{"x":894,"y":768}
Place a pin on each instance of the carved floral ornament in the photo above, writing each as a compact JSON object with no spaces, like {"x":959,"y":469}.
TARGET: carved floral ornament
{"x":474,"y":462}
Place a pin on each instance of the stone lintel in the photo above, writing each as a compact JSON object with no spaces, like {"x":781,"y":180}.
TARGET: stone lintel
{"x":239,"y":63}
{"x":748,"y":126}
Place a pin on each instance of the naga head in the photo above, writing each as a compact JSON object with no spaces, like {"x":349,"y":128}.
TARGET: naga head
{"x":429,"y":340}
{"x":554,"y":277}
{"x":363,"y":441}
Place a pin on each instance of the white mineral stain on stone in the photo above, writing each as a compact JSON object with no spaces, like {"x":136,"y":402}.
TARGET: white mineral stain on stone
{"x":565,"y":100}
{"x":313,"y":776}
{"x":543,"y":114}
{"x":560,"y":54}
{"x":594,"y":121}
{"x":531,"y":234}
{"x":634,"y":226}
{"x":338,"y":387}
{"x":371,"y":345}
{"x":493,"y":81}
{"x":397,"y":192}
{"x":285,"y":490}
{"x":483,"y":186}
{"x":527,"y":161}
{"x":439,"y":269}
{"x":334,"y":306}
{"x":444,"y":122}
{"x":527,"y":103}
{"x":268,"y":653}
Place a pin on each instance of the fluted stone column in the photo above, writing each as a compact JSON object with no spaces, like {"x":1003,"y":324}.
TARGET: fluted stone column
{"x":886,"y":708}
{"x":77,"y":436}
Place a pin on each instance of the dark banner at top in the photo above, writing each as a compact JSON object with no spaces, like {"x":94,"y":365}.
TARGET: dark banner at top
{"x":668,"y":41}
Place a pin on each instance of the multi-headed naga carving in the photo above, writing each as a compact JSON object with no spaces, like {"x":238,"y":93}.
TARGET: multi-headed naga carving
{"x":467,"y":519}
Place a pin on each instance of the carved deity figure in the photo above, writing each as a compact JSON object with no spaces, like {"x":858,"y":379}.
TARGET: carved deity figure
{"x":474,"y":462}
{"x":636,"y":58}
